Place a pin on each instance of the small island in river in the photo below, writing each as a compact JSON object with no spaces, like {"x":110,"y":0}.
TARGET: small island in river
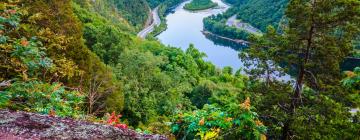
{"x":196,"y":5}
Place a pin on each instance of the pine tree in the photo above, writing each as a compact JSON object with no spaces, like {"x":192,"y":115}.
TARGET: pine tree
{"x":317,"y":39}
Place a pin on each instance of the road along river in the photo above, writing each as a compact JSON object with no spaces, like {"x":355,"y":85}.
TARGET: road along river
{"x":155,"y":21}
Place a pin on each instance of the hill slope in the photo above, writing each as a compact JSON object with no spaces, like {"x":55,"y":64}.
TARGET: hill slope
{"x":260,"y":13}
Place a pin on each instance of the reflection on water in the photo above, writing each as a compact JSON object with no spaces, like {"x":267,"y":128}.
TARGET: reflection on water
{"x":226,"y":43}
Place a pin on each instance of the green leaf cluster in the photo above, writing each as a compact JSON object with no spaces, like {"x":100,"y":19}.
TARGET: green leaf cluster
{"x":36,"y":96}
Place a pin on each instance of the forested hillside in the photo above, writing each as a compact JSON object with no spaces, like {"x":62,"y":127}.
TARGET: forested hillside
{"x":83,"y":65}
{"x":169,"y":3}
{"x":107,"y":11}
{"x":260,"y":13}
{"x":154,"y":3}
{"x":81,"y":59}
{"x":135,"y":12}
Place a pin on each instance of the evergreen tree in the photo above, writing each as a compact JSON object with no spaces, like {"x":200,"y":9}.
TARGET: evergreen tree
{"x":317,"y":39}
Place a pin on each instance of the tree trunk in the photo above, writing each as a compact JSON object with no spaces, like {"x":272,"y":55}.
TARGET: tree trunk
{"x":296,"y":98}
{"x":286,"y":131}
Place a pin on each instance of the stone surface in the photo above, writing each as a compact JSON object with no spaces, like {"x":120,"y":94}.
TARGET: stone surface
{"x":24,"y":125}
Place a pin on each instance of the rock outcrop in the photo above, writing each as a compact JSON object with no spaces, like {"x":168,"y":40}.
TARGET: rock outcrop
{"x":24,"y":125}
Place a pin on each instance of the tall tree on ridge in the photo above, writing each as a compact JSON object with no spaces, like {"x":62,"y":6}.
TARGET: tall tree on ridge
{"x":318,"y":37}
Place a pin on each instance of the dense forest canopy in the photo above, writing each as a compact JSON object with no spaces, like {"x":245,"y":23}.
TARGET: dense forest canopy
{"x":82,"y":59}
{"x":271,"y":12}
{"x":135,"y":12}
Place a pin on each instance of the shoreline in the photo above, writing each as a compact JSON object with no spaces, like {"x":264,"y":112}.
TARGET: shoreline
{"x":239,"y":41}
{"x":202,"y":9}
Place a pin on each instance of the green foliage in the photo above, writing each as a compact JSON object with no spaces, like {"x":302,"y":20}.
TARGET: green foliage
{"x":353,"y":79}
{"x":315,"y":42}
{"x":221,"y":90}
{"x":90,"y":46}
{"x":217,"y":25}
{"x":67,"y":60}
{"x":149,"y":92}
{"x":122,"y":12}
{"x":29,"y":61}
{"x":31,"y":55}
{"x":258,"y":13}
{"x":154,"y":3}
{"x":134,"y":11}
{"x":164,"y":3}
{"x":25,"y":56}
{"x":356,"y":52}
{"x":41,"y":97}
{"x":261,"y":13}
{"x":190,"y":124}
{"x":104,"y":38}
{"x":195,"y":5}
{"x":233,"y":123}
{"x":101,"y":12}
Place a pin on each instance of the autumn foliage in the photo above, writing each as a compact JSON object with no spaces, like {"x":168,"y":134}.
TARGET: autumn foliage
{"x":114,"y":120}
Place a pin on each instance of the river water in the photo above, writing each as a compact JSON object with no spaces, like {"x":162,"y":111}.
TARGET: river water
{"x":184,"y":27}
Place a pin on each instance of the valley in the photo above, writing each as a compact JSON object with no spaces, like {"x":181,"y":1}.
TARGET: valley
{"x":179,"y":69}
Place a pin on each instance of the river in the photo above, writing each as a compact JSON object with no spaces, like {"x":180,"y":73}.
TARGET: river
{"x":184,"y":27}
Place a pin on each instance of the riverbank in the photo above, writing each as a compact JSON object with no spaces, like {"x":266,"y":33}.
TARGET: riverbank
{"x":233,"y":21}
{"x":239,"y":41}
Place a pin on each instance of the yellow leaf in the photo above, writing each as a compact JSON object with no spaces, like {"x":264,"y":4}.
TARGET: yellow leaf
{"x":263,"y":137}
{"x":246,"y":105}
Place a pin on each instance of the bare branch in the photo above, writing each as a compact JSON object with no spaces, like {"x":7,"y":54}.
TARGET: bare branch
{"x":5,"y":83}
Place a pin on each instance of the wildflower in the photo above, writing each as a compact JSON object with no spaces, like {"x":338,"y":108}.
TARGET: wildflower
{"x":258,"y":123}
{"x":228,"y":119}
{"x":52,"y":113}
{"x":24,"y":42}
{"x":11,"y":11}
{"x":202,"y":121}
{"x":121,"y":126}
{"x":262,"y":137}
{"x":246,"y":104}
{"x":350,"y":74}
{"x":113,"y":119}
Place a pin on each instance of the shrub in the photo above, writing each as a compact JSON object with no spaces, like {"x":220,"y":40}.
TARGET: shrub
{"x":211,"y":122}
{"x":36,"y":96}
